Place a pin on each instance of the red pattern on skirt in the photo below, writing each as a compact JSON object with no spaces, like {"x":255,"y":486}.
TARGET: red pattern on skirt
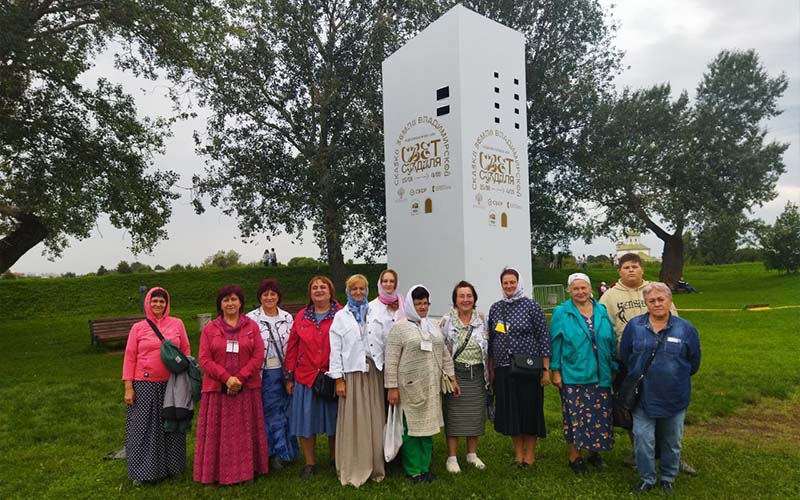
{"x":231,"y":440}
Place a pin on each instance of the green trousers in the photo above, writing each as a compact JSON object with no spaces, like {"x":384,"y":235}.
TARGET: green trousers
{"x":417,"y":452}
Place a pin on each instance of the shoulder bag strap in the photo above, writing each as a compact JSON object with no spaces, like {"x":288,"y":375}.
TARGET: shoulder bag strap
{"x":155,"y":329}
{"x":649,"y":361}
{"x":272,"y":339}
{"x":463,"y":344}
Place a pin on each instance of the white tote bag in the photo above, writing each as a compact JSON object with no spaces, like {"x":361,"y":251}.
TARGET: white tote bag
{"x":393,"y":433}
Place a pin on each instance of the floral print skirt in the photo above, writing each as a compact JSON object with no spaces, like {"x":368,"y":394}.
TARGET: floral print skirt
{"x":586,"y":409}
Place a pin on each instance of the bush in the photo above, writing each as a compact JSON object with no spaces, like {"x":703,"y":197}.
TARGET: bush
{"x":176,"y":267}
{"x":303,"y":262}
{"x":102,"y":271}
{"x":222,"y":259}
{"x":123,"y":267}
{"x":138,"y":267}
{"x":781,"y":241}
{"x":748,"y":254}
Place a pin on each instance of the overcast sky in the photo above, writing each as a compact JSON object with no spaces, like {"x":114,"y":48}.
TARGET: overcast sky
{"x":664,"y":41}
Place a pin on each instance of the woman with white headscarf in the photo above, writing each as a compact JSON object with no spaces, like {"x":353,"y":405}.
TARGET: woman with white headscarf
{"x":416,"y":358}
{"x":519,"y":360}
{"x":584,"y":347}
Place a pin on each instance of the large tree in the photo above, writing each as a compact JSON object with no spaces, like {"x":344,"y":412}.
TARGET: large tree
{"x":70,"y":152}
{"x":781,"y":241}
{"x":663,"y":165}
{"x":295,"y":136}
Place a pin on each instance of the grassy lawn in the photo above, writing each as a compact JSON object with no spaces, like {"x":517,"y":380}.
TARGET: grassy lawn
{"x":62,"y":406}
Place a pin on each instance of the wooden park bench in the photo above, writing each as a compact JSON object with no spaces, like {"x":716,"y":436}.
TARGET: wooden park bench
{"x":293,"y":307}
{"x":109,"y":330}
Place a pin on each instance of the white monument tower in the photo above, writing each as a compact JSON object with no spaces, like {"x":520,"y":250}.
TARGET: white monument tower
{"x":456,"y":157}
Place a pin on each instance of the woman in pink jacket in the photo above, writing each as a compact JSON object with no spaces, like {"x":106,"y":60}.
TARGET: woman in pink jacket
{"x":231,"y":443}
{"x":152,"y":453}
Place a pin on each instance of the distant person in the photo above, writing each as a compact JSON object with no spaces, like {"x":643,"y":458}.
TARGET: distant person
{"x":684,"y":286}
{"x":467,"y":341}
{"x":307,"y":357}
{"x":231,"y":443}
{"x":583,"y":262}
{"x":266,"y":259}
{"x":672,"y":347}
{"x":416,"y":361}
{"x":153,"y":454}
{"x":582,"y":364}
{"x":559,"y":260}
{"x":624,"y":301}
{"x":603,"y":288}
{"x":274,"y":324}
{"x":273,"y":258}
{"x":518,"y":334}
{"x":356,"y":364}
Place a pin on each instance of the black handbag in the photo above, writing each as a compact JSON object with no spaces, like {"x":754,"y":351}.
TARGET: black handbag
{"x":324,"y":387}
{"x":526,"y":366}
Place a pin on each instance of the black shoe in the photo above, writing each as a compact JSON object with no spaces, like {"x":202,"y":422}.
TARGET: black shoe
{"x":642,"y":487}
{"x":522,"y":465}
{"x":307,"y":472}
{"x":668,"y":487}
{"x":275,"y":464}
{"x":419,"y":478}
{"x":597,"y":461}
{"x":578,"y":466}
{"x":429,"y":477}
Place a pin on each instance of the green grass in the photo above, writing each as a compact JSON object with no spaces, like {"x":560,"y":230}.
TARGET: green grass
{"x":62,"y":406}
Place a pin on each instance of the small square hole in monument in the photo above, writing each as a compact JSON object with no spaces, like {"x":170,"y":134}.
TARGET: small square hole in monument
{"x":496,"y":119}
{"x":516,"y":125}
{"x":497,"y":105}
{"x":516,"y":81}
{"x":496,"y":74}
{"x":516,"y":111}
{"x":442,"y":110}
{"x":442,"y":93}
{"x":497,"y":90}
{"x":516,"y":97}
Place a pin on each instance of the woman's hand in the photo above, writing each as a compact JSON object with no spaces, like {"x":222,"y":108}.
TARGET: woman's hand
{"x":545,"y":380}
{"x":341,"y":387}
{"x":129,"y":395}
{"x":557,"y":379}
{"x":289,"y":385}
{"x":234,"y":385}
{"x":393,"y":396}
{"x":456,"y":388}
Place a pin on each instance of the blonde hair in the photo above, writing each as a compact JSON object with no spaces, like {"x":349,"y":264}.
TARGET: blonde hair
{"x":656,"y":286}
{"x":352,"y":280}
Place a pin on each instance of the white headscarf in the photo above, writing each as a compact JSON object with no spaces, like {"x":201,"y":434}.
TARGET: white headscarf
{"x":519,"y":292}
{"x":411,"y":314}
{"x":579,"y":276}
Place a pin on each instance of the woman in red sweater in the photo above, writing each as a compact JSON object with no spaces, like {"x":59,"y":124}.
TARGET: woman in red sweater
{"x":231,"y":440}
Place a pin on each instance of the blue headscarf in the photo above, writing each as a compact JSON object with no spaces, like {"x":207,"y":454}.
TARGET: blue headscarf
{"x":358,"y":308}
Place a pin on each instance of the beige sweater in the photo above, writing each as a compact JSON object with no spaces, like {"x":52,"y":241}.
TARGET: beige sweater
{"x":625,"y":303}
{"x":418,"y":376}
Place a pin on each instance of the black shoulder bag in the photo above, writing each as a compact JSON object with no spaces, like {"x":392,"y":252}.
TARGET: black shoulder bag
{"x":627,"y":396}
{"x":522,"y":365}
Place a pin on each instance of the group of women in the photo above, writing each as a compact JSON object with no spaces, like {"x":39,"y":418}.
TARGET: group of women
{"x":335,"y":369}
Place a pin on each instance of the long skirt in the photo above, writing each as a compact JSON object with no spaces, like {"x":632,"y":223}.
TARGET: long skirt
{"x":519,"y":404}
{"x":276,"y":403}
{"x":311,"y":415}
{"x":152,"y":453}
{"x":359,"y":428}
{"x":466,"y":415}
{"x":231,"y":440}
{"x":586,"y":409}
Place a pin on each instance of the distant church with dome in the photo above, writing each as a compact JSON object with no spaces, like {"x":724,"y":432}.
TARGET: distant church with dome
{"x":632,"y":243}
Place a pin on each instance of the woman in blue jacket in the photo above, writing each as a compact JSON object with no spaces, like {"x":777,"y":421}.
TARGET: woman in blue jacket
{"x":584,"y":347}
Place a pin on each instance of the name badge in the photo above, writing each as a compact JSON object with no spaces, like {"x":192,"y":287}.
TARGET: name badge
{"x":500,"y":327}
{"x":233,"y":346}
{"x":426,"y":345}
{"x":674,"y":340}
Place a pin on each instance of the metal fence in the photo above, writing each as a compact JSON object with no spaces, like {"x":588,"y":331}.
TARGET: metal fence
{"x":549,"y":296}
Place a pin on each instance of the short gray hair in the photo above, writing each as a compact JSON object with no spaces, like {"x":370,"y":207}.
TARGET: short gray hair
{"x":656,"y":286}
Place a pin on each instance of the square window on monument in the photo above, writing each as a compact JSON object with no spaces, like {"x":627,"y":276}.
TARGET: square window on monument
{"x":516,"y":81}
{"x":516,"y":111}
{"x":516,"y":125}
{"x":442,"y":110}
{"x":496,"y":119}
{"x":497,"y":90}
{"x":497,"y":105}
{"x":442,"y":93}
{"x":496,"y":74}
{"x":516,"y":97}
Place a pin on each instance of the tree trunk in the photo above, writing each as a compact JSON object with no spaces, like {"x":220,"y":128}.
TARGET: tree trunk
{"x":672,"y":259}
{"x":28,"y":232}
{"x":333,"y":244}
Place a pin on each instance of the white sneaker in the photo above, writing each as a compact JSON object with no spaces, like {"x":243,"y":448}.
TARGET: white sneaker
{"x":477,"y":462}
{"x":452,"y":465}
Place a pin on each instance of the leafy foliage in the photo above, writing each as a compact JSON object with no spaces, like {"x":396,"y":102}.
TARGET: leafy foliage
{"x":684,"y":166}
{"x":781,"y":241}
{"x":124,"y":268}
{"x":69,"y":152}
{"x":223,"y":259}
{"x":303,"y":262}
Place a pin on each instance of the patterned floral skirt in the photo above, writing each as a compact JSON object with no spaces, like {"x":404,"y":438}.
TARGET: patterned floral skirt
{"x":586,"y":409}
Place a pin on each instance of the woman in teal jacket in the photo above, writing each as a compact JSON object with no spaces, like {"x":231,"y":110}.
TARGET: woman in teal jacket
{"x":584,"y":349}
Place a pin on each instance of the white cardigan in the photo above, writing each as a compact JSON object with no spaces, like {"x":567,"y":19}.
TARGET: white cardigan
{"x":348,"y":349}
